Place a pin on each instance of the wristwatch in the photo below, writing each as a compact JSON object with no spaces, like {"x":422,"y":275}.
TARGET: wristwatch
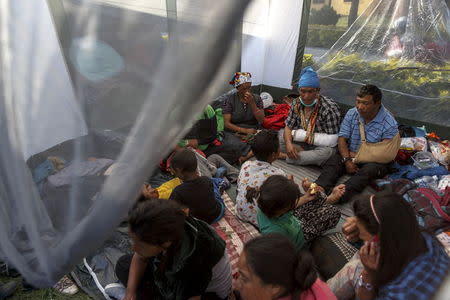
{"x":345,"y":159}
{"x":366,"y":285}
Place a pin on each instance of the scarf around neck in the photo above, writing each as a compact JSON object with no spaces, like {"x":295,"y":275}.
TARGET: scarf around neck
{"x":308,"y":124}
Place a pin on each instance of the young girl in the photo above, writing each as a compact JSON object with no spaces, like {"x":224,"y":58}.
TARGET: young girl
{"x":277,"y":199}
{"x":271,"y":268}
{"x":315,"y":216}
{"x":265,"y":147}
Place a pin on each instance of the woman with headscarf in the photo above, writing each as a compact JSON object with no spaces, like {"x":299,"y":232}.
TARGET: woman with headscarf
{"x":243,"y":111}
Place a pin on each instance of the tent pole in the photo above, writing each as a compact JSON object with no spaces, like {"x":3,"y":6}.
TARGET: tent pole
{"x":171,"y":7}
{"x":303,"y":31}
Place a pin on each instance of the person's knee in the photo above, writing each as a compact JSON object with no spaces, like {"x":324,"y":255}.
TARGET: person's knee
{"x":317,"y":156}
{"x":373,"y":170}
{"x":123,"y":267}
{"x":334,"y":161}
{"x":325,"y":152}
{"x":348,"y":196}
{"x":214,"y":159}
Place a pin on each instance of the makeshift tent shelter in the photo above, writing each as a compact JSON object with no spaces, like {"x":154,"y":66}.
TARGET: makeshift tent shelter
{"x":118,"y":80}
{"x":88,"y":83}
{"x":75,"y":72}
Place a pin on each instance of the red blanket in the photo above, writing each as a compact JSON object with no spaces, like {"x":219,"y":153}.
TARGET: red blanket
{"x":275,"y":117}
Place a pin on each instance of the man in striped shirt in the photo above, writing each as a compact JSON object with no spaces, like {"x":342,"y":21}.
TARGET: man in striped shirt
{"x":379,"y":125}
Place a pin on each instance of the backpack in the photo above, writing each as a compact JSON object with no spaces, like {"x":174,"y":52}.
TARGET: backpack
{"x":204,"y":130}
{"x":208,"y":130}
{"x":432,"y":211}
{"x":220,"y":120}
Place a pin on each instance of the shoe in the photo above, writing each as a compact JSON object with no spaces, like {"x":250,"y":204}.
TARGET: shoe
{"x":116,"y":291}
{"x":7,"y":289}
{"x":8,"y":271}
{"x":26,"y":287}
{"x":66,"y":286}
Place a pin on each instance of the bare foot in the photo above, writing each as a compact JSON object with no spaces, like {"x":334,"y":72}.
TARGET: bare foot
{"x":336,"y":194}
{"x":306,"y":183}
{"x":243,"y":159}
{"x":282,"y":155}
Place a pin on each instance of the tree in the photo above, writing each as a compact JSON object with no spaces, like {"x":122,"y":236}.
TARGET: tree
{"x":324,"y":16}
{"x":353,"y":14}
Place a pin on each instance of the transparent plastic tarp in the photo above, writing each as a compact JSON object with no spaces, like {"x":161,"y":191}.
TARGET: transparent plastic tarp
{"x":402,"y":46}
{"x":86,"y":85}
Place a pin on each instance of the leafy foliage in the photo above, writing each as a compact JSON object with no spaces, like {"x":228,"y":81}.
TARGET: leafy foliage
{"x":323,"y":36}
{"x":324,"y":16}
{"x":420,"y":89}
{"x":308,"y":60}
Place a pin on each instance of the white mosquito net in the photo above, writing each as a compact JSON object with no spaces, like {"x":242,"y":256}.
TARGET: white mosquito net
{"x":85,"y":84}
{"x":402,"y":46}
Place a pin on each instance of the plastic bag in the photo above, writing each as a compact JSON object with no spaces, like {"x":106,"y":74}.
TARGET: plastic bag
{"x":424,"y":160}
{"x":428,"y":182}
{"x":444,"y":183}
{"x":267,"y":99}
{"x":440,"y":152}
{"x":414,"y":144}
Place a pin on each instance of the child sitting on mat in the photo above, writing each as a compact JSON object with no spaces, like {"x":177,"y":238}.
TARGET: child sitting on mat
{"x":277,"y":198}
{"x":315,"y":216}
{"x":196,"y":192}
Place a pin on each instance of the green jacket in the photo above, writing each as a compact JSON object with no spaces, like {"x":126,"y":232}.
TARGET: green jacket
{"x":208,"y":113}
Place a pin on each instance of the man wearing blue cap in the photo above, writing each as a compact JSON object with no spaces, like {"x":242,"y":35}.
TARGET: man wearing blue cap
{"x":312,"y":125}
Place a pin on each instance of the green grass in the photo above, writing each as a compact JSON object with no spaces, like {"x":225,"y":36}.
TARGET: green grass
{"x":42,"y":294}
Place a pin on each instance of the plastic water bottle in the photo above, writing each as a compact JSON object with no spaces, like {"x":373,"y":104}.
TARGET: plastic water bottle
{"x":444,"y":183}
{"x":428,"y":182}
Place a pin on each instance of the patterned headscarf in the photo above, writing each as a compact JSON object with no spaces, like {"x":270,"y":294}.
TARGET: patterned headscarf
{"x":241,"y":78}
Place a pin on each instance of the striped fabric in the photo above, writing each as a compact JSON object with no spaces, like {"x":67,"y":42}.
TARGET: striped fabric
{"x":235,"y":232}
{"x":383,"y":126}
